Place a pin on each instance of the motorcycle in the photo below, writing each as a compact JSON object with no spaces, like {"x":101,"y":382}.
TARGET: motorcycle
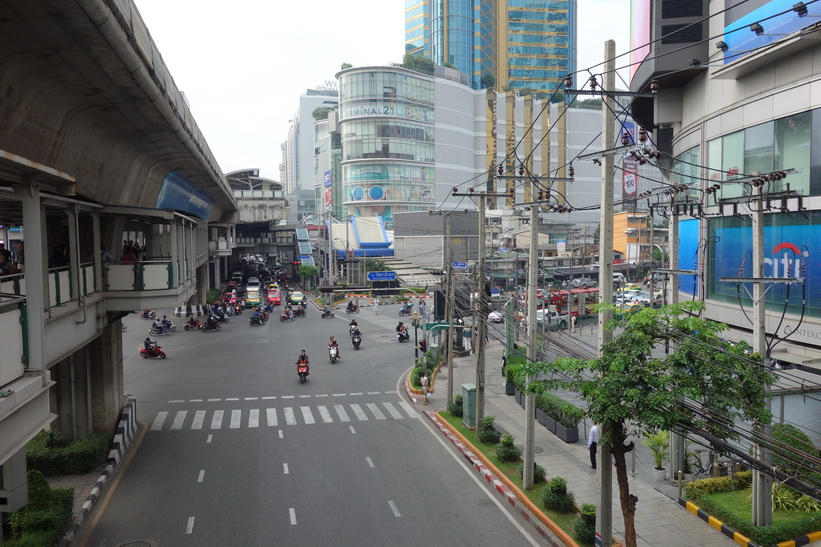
{"x":284,"y":318}
{"x":299,"y":311}
{"x":205,"y":327}
{"x":188,"y":326}
{"x":302,"y":370}
{"x":153,"y":353}
{"x":229,"y":311}
{"x":327,"y":313}
{"x":406,"y":309}
{"x":257,"y":321}
{"x":238,"y":309}
{"x":219,"y":317}
{"x":159,"y":329}
{"x":332,"y":353}
{"x":403,"y":335}
{"x":356,"y":340}
{"x":352,"y":309}
{"x":148,"y":314}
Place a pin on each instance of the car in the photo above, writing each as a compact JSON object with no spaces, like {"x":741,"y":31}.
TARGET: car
{"x":252,"y":298}
{"x":274,"y":297}
{"x":252,"y":283}
{"x":496,"y":317}
{"x":273,"y":286}
{"x":296,"y":297}
{"x":584,"y":282}
{"x":231,"y":285}
{"x":632,"y":287}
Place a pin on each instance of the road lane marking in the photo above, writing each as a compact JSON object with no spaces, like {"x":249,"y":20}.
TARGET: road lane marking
{"x":292,"y":512}
{"x":409,"y":409}
{"x":158,"y":421}
{"x":285,"y":468}
{"x":353,"y":430}
{"x":199,"y":418}
{"x":190,"y":527}
{"x":307,"y":415}
{"x":370,"y":462}
{"x":232,"y":398}
{"x":304,"y":396}
{"x":208,"y":440}
{"x":395,"y":414}
{"x":325,"y":414}
{"x":360,"y":393}
{"x":394,"y":509}
{"x":338,"y":394}
{"x":375,"y":410}
{"x":201,"y":475}
{"x":251,"y":398}
{"x":195,"y":401}
{"x":236,"y":418}
{"x":360,"y":414}
{"x":287,"y":396}
{"x":272,"y":416}
{"x":374,"y":392}
{"x":390,"y":392}
{"x":216,"y":420}
{"x":177,"y":401}
{"x":253,"y":418}
{"x":280,"y":434}
{"x":325,"y":395}
{"x":343,"y":416}
{"x":179,"y":419}
{"x":214,"y":400}
{"x":290,"y":419}
{"x":268,"y":398}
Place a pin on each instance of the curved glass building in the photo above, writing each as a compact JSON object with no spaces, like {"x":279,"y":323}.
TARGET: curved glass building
{"x":386,"y":121}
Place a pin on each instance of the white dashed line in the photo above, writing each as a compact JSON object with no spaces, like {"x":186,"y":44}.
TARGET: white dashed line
{"x":394,"y":509}
{"x":353,"y":430}
{"x":272,"y":416}
{"x":285,"y":468}
{"x":201,"y":475}
{"x":338,"y":394}
{"x":195,"y":401}
{"x":232,"y":398}
{"x":158,"y":421}
{"x":214,"y":400}
{"x":280,"y":434}
{"x":268,"y":398}
{"x":390,"y":392}
{"x":374,"y":392}
{"x":287,"y":396}
{"x":304,"y":396}
{"x":208,"y":440}
{"x":325,"y":395}
{"x":370,"y":462}
{"x":251,"y":398}
{"x":177,"y":401}
{"x":356,"y":393}
{"x":292,"y":512}
{"x":190,"y":527}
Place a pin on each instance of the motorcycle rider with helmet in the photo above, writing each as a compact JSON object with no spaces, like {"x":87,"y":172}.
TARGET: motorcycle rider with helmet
{"x":149,"y":345}
{"x":332,"y":343}
{"x":401,"y":331}
{"x":351,"y":306}
{"x":302,"y":362}
{"x":353,"y":326}
{"x":255,"y":317}
{"x":191,"y":321}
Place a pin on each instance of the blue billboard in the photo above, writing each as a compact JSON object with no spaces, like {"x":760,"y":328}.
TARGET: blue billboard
{"x":179,"y":194}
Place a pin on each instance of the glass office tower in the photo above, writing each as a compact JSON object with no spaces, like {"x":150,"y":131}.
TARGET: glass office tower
{"x":525,"y":44}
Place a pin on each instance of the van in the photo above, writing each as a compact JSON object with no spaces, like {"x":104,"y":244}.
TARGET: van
{"x":618,"y":279}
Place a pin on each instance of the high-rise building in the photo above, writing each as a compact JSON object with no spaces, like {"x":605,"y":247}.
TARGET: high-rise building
{"x":524,"y":44}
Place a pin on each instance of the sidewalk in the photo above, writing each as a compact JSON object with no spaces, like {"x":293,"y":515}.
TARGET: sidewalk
{"x":659,"y":518}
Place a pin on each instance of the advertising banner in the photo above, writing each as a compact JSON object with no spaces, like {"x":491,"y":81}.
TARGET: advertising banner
{"x":629,"y":188}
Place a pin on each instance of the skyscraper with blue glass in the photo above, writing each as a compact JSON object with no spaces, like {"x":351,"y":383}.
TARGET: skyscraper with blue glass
{"x":527,"y":45}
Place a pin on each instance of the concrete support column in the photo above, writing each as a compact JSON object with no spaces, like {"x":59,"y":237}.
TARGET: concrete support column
{"x":106,"y":383}
{"x":98,"y":243}
{"x":176,"y":259}
{"x":36,"y":271}
{"x":74,"y":251}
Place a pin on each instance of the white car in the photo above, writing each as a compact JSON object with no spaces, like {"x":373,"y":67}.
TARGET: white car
{"x":253,"y":283}
{"x":496,"y":317}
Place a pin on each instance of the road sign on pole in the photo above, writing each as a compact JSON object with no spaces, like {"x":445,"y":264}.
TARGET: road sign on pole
{"x":381,"y":276}
{"x":460,"y":265}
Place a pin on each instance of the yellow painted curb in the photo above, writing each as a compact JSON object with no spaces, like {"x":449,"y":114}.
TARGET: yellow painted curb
{"x":532,"y":507}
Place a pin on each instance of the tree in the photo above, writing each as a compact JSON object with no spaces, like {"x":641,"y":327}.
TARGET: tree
{"x":320,"y":113}
{"x":306,"y":271}
{"x":345,"y":65}
{"x":448,"y":65}
{"x":488,"y":80}
{"x":417,"y":63}
{"x":703,"y":385}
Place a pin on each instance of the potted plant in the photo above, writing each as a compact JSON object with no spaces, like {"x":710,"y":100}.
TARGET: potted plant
{"x":510,"y":379}
{"x":687,"y":464}
{"x":567,"y":423}
{"x":659,"y":445}
{"x":545,"y":411}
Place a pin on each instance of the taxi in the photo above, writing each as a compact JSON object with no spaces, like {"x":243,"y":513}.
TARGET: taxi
{"x":274,"y":297}
{"x":296,"y":297}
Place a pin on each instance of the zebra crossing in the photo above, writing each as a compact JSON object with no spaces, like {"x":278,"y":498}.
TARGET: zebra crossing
{"x":256,"y":418}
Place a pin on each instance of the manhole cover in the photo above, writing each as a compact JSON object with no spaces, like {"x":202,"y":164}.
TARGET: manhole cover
{"x":139,"y":543}
{"x":536,"y":449}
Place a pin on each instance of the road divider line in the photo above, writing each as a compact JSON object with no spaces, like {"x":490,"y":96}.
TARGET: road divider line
{"x":208,"y":440}
{"x":370,"y":462}
{"x":287,"y":396}
{"x":292,"y":512}
{"x":281,"y":434}
{"x":201,"y":475}
{"x":251,"y":398}
{"x":304,"y":396}
{"x":394,"y":509}
{"x":374,"y":392}
{"x":268,"y":398}
{"x":195,"y":401}
{"x":359,"y":393}
{"x":338,"y":394}
{"x":232,"y":398}
{"x":323,"y":395}
{"x":177,"y":401}
{"x":214,"y":400}
{"x":353,"y":430}
{"x":190,"y":527}
{"x":285,"y":468}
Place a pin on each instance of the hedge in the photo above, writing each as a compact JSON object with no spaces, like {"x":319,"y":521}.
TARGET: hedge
{"x":567,"y":414}
{"x":54,"y":456}
{"x":47,"y":515}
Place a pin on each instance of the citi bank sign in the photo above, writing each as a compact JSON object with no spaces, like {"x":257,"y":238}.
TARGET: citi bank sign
{"x":786,"y":262}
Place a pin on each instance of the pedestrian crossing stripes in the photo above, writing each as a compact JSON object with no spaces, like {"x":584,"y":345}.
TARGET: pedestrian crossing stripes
{"x":270,"y":398}
{"x":291,"y":415}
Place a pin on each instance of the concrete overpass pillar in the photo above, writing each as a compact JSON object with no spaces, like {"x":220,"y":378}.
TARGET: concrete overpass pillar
{"x":105,"y":377}
{"x":34,"y":220}
{"x":74,"y":251}
{"x":176,"y":260}
{"x":71,"y":398}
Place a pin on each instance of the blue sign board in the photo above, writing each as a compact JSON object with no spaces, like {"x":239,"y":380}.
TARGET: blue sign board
{"x":303,"y":257}
{"x":494,"y":291}
{"x":460,"y":265}
{"x":381,"y":276}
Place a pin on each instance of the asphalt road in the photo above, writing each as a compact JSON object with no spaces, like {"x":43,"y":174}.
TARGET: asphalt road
{"x":237,"y":452}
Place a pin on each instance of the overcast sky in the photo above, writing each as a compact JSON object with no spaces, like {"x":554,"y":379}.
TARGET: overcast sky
{"x":243,"y":64}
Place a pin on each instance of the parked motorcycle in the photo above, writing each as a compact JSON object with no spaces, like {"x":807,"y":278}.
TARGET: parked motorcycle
{"x":153,"y":353}
{"x":188,"y":326}
{"x":356,"y":340}
{"x":406,"y":309}
{"x":205,"y":327}
{"x":302,"y":371}
{"x":148,"y":314}
{"x":332,"y":353}
{"x":328,"y":313}
{"x":352,"y":309}
{"x":403,"y":335}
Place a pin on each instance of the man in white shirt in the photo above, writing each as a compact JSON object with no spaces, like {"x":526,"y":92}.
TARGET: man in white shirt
{"x":592,"y":442}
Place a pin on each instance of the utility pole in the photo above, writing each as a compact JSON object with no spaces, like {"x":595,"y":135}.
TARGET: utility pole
{"x":532,"y":282}
{"x":450,"y":304}
{"x":604,"y":515}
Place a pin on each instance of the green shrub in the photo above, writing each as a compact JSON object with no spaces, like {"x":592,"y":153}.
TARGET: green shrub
{"x":52,"y":455}
{"x":696,"y":490}
{"x":47,"y":515}
{"x":565,"y":413}
{"x":489,"y":436}
{"x":416,"y":375}
{"x":455,"y":407}
{"x":506,"y":451}
{"x":589,"y":513}
{"x":585,"y":534}
{"x":211,"y":296}
{"x":787,"y":499}
{"x":556,"y":497}
{"x":510,"y":373}
{"x":538,"y":472}
{"x":791,"y":440}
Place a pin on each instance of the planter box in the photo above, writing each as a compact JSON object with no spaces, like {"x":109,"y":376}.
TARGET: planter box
{"x":541,"y":417}
{"x":550,"y":424}
{"x":659,"y":474}
{"x":567,"y":434}
{"x":510,"y":389}
{"x":519,"y":397}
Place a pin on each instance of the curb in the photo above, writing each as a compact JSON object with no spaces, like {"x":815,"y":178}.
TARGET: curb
{"x":738,"y":537}
{"x":526,"y":509}
{"x":126,"y":428}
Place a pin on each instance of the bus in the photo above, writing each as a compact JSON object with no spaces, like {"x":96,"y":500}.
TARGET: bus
{"x":573,"y":302}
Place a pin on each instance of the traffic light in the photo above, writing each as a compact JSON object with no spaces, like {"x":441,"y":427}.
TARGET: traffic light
{"x":296,"y":263}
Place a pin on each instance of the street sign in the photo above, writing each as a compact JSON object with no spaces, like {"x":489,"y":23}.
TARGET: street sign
{"x":381,"y":276}
{"x":303,"y":257}
{"x":460,"y":265}
{"x":494,"y":291}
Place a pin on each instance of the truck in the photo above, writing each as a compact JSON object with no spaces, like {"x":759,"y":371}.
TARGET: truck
{"x":552,"y":319}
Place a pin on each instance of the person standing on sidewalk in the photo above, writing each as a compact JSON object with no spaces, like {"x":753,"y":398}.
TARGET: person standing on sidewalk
{"x":592,"y":442}
{"x":424,"y":381}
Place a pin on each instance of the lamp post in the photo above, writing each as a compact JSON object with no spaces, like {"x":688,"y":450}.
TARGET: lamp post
{"x":415,"y":323}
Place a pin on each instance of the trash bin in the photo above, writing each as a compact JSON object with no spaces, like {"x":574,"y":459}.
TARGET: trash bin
{"x":469,"y":405}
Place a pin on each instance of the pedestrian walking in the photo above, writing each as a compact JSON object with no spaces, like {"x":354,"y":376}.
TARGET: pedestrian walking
{"x":592,"y":442}
{"x":424,"y":381}
{"x":376,"y":305}
{"x":466,"y":335}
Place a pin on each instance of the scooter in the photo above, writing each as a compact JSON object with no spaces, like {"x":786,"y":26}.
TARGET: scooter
{"x":356,"y":340}
{"x":148,"y":314}
{"x":205,"y":327}
{"x":219,"y":317}
{"x":302,"y":370}
{"x":352,"y":309}
{"x":299,"y":312}
{"x":327,"y":313}
{"x":159,"y":329}
{"x":257,"y":321}
{"x":403,"y":336}
{"x":406,"y":309}
{"x":284,"y":318}
{"x":332,"y":353}
{"x":188,"y":326}
{"x":154,"y":352}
